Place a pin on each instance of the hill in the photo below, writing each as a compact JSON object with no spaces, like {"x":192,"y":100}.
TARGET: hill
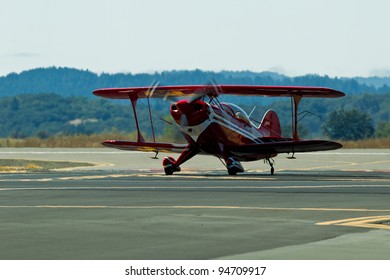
{"x":74,"y":82}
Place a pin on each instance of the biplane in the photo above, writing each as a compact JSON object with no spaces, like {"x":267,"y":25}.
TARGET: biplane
{"x":221,"y":129}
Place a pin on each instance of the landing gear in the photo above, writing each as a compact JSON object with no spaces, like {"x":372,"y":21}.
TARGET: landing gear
{"x":233,"y":166}
{"x":171,"y":165}
{"x":271,"y":162}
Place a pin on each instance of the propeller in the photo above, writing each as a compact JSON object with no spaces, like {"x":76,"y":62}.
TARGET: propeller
{"x":152,"y":88}
{"x":211,"y":93}
{"x":170,"y":98}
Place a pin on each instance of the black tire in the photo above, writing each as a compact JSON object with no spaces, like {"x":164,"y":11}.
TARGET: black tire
{"x":168,"y":171}
{"x":232,"y":171}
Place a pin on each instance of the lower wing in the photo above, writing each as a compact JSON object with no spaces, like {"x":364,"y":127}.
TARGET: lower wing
{"x":145,"y":146}
{"x":285,"y":147}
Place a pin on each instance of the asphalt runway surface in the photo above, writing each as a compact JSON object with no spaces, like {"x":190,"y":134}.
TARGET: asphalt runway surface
{"x":333,"y":205}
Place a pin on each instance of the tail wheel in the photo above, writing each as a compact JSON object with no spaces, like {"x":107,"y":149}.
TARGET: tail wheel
{"x":271,"y":162}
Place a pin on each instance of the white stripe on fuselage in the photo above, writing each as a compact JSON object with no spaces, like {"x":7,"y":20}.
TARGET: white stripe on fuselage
{"x":195,"y":131}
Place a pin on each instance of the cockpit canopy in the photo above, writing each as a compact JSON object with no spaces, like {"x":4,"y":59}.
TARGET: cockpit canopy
{"x":236,"y":111}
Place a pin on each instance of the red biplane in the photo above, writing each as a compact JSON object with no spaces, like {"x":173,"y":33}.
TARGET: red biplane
{"x":219,"y":128}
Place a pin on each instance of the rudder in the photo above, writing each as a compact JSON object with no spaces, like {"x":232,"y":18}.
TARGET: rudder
{"x":270,"y":125}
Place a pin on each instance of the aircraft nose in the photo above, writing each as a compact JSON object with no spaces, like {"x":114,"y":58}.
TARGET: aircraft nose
{"x":194,"y":112}
{"x":184,"y":107}
{"x":187,"y":108}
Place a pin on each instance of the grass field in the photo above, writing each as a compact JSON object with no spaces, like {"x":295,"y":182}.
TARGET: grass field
{"x":375,"y":143}
{"x":94,"y":140}
{"x":21,"y":165}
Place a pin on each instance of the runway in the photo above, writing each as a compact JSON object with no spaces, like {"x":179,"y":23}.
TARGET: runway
{"x":319,"y":206}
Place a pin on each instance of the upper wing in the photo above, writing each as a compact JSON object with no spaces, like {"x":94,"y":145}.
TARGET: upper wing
{"x":181,"y":91}
{"x":285,"y":147}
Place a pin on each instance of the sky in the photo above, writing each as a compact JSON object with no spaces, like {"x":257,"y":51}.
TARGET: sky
{"x":344,"y":38}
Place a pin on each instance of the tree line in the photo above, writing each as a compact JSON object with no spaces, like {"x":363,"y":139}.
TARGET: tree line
{"x":74,"y":82}
{"x":46,"y":114}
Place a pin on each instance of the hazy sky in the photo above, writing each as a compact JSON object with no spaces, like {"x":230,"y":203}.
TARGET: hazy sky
{"x":333,"y":37}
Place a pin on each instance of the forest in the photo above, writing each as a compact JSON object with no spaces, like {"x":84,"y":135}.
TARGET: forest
{"x":59,"y":101}
{"x":74,"y":82}
{"x":44,"y":115}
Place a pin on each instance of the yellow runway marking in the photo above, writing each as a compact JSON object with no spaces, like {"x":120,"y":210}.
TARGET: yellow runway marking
{"x":376,"y":222}
{"x":379,"y":222}
{"x":199,"y":207}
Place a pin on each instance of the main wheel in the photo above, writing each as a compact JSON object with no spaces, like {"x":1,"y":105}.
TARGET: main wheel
{"x":168,"y":170}
{"x":232,"y":171}
{"x":169,"y":165}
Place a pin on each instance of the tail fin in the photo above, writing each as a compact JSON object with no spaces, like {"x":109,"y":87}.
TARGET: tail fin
{"x":270,"y":125}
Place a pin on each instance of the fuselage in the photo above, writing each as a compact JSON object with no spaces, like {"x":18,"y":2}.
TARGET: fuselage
{"x":213,"y":129}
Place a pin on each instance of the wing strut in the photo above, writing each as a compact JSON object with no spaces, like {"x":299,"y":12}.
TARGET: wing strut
{"x":297,"y":100}
{"x":150,"y":94}
{"x":133,"y":100}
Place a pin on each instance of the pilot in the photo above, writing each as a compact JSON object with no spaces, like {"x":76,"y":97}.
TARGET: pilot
{"x":242,"y":117}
